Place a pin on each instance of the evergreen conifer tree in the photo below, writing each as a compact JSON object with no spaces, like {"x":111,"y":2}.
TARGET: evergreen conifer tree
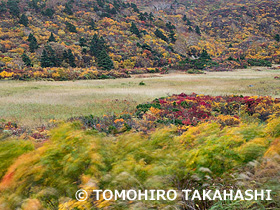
{"x":52,"y":38}
{"x":84,"y":51}
{"x":33,"y":45}
{"x":54,"y":59}
{"x":134,"y":7}
{"x":23,"y":20}
{"x":30,"y":37}
{"x":3,"y":7}
{"x":170,"y":26}
{"x":92,"y":25}
{"x":151,"y":17}
{"x":134,"y":29}
{"x":45,"y":61}
{"x":142,"y":16}
{"x":160,"y":35}
{"x":71,"y":58}
{"x":104,"y":61}
{"x":94,"y":45}
{"x":197,"y":30}
{"x":98,"y":50}
{"x":172,"y":36}
{"x":83,"y":42}
{"x":13,"y":7}
{"x":204,"y":55}
{"x":70,"y":27}
{"x":68,"y":9}
{"x":26,"y":60}
{"x":49,"y":12}
{"x":277,"y":37}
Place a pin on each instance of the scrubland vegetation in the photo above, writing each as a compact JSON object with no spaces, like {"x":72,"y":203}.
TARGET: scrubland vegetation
{"x":211,"y":155}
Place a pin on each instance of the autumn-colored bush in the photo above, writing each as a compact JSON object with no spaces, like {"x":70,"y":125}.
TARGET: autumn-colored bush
{"x":13,"y":129}
{"x":191,"y":109}
{"x":203,"y":157}
{"x":60,"y":74}
{"x":10,"y":150}
{"x":185,"y":111}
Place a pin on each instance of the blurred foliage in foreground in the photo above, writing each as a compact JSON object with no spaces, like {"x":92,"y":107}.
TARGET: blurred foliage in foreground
{"x":203,"y":157}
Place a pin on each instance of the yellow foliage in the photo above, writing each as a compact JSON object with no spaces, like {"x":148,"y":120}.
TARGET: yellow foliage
{"x":61,"y":33}
{"x":128,"y":64}
{"x":17,"y":50}
{"x":5,"y":74}
{"x":6,"y":59}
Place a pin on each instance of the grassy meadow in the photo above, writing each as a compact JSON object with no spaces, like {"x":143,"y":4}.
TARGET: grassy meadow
{"x":34,"y":103}
{"x":216,"y":141}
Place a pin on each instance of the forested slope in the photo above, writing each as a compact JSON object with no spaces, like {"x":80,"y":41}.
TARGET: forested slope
{"x":108,"y":34}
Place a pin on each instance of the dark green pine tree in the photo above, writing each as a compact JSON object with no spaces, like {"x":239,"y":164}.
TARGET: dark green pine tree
{"x":277,"y":37}
{"x":190,"y":29}
{"x":54,"y":59}
{"x":134,"y":29}
{"x":102,"y":44}
{"x":26,"y":60}
{"x":204,"y":55}
{"x":94,"y":45}
{"x":33,"y":45}
{"x":45,"y":61}
{"x":84,"y":51}
{"x":13,"y":8}
{"x":51,"y":38}
{"x":170,"y":26}
{"x":142,"y":16}
{"x":98,"y":49}
{"x":197,"y":30}
{"x":172,"y":36}
{"x":69,"y":57}
{"x":160,"y":35}
{"x":92,"y":25}
{"x":189,"y":22}
{"x":30,"y":37}
{"x":23,"y":20}
{"x":49,"y":12}
{"x":70,"y":27}
{"x":65,"y":55}
{"x":185,"y":18}
{"x":82,"y":42}
{"x":97,"y":45}
{"x":134,"y":7}
{"x":104,"y":61}
{"x":100,"y":3}
{"x":68,"y":9}
{"x":3,"y":7}
{"x":151,"y":17}
{"x":34,"y":4}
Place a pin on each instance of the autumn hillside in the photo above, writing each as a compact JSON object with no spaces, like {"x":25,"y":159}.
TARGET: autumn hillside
{"x":37,"y":36}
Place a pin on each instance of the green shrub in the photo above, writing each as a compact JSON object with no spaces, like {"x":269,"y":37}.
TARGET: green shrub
{"x":10,"y":150}
{"x":259,"y":62}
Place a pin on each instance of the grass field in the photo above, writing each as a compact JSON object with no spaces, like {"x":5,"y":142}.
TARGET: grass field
{"x":36,"y":102}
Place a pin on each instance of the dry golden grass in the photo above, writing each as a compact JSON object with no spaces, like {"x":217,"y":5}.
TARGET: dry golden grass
{"x":36,"y":102}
